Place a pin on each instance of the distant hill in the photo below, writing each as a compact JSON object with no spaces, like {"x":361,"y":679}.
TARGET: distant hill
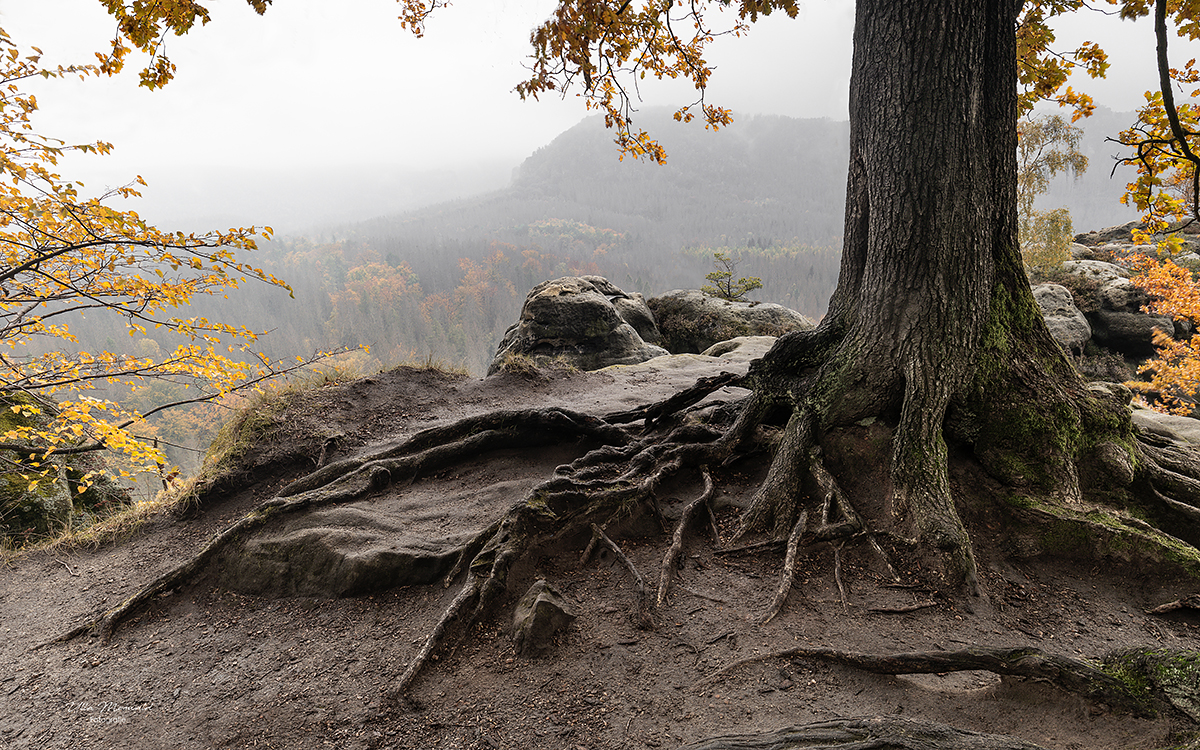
{"x":767,"y":180}
{"x":449,"y":278}
{"x":769,"y":177}
{"x":445,"y":281}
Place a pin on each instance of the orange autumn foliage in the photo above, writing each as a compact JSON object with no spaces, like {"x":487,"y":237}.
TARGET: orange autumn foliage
{"x":1175,"y":371}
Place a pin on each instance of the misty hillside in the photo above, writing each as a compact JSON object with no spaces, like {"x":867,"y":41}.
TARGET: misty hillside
{"x":768,"y":177}
{"x":444,"y":282}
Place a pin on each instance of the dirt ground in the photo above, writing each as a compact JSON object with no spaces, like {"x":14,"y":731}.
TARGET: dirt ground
{"x":207,"y":667}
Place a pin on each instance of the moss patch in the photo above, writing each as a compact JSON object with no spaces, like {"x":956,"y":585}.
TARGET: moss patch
{"x":1165,"y":675}
{"x":1049,"y":529}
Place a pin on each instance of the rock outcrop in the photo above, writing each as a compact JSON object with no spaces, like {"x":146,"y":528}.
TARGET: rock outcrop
{"x":1096,"y":270}
{"x":691,"y":321}
{"x":582,"y":321}
{"x":1120,"y":323}
{"x":1068,"y":326}
{"x":31,"y":510}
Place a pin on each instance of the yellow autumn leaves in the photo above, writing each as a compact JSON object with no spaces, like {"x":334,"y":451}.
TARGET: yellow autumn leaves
{"x":63,"y":256}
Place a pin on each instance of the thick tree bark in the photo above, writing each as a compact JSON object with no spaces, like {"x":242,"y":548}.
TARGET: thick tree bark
{"x":933,"y":341}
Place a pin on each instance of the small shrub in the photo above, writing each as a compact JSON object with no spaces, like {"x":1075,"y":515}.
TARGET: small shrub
{"x":723,"y":284}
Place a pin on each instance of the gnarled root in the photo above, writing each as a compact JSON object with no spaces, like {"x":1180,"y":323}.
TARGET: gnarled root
{"x":350,"y":480}
{"x":789,"y":569}
{"x":671,"y":559}
{"x":1068,"y":674}
{"x":641,"y":613}
{"x":880,"y":732}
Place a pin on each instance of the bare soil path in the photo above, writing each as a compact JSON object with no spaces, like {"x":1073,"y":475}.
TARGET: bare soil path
{"x":208,"y":667}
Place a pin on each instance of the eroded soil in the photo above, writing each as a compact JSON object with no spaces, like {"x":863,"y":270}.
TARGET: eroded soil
{"x":207,"y":667}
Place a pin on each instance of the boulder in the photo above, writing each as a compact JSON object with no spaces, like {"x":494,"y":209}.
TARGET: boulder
{"x":1130,"y":333}
{"x":1121,"y":294}
{"x":691,"y":321}
{"x":45,"y":510}
{"x":1120,"y":325}
{"x":1068,"y":326}
{"x":1082,"y":252}
{"x":540,"y":614}
{"x":1097,"y":270}
{"x":1179,"y":429}
{"x":586,"y":322}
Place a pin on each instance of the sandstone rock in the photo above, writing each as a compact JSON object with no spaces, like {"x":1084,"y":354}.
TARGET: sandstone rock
{"x":1122,"y":233}
{"x":1130,"y":333}
{"x":1082,"y":252}
{"x":1095,"y":269}
{"x":55,"y":502}
{"x":1119,"y":323}
{"x":585,"y":321}
{"x":341,"y":553}
{"x":1068,"y":326}
{"x":42,"y":511}
{"x":741,"y":349}
{"x":1121,"y":294}
{"x":540,"y":614}
{"x":1171,"y":426}
{"x":692,"y":321}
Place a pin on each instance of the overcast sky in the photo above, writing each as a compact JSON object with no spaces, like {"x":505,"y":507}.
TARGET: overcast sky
{"x":269,"y":116}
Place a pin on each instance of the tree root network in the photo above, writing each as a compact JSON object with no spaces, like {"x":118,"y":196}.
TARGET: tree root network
{"x":619,"y":477}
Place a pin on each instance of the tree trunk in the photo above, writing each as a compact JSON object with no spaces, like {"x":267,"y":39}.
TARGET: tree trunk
{"x":932,"y":340}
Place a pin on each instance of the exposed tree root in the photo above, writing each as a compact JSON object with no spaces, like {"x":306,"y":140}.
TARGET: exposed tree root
{"x":1068,"y":674}
{"x":671,"y":559}
{"x":871,"y":733}
{"x":681,"y":400}
{"x":641,"y":612}
{"x":837,"y":575}
{"x":789,"y":570}
{"x":1187,"y":602}
{"x":620,"y":478}
{"x":346,"y":481}
{"x":468,"y":595}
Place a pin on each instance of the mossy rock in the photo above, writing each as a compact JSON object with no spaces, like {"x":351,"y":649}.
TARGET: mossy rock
{"x":691,"y":321}
{"x":1170,"y":676}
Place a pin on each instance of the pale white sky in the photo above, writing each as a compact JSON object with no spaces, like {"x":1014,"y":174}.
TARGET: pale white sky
{"x":268,"y":115}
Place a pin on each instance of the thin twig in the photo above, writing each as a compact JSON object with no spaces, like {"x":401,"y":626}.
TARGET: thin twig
{"x":903,"y":609}
{"x":65,"y":565}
